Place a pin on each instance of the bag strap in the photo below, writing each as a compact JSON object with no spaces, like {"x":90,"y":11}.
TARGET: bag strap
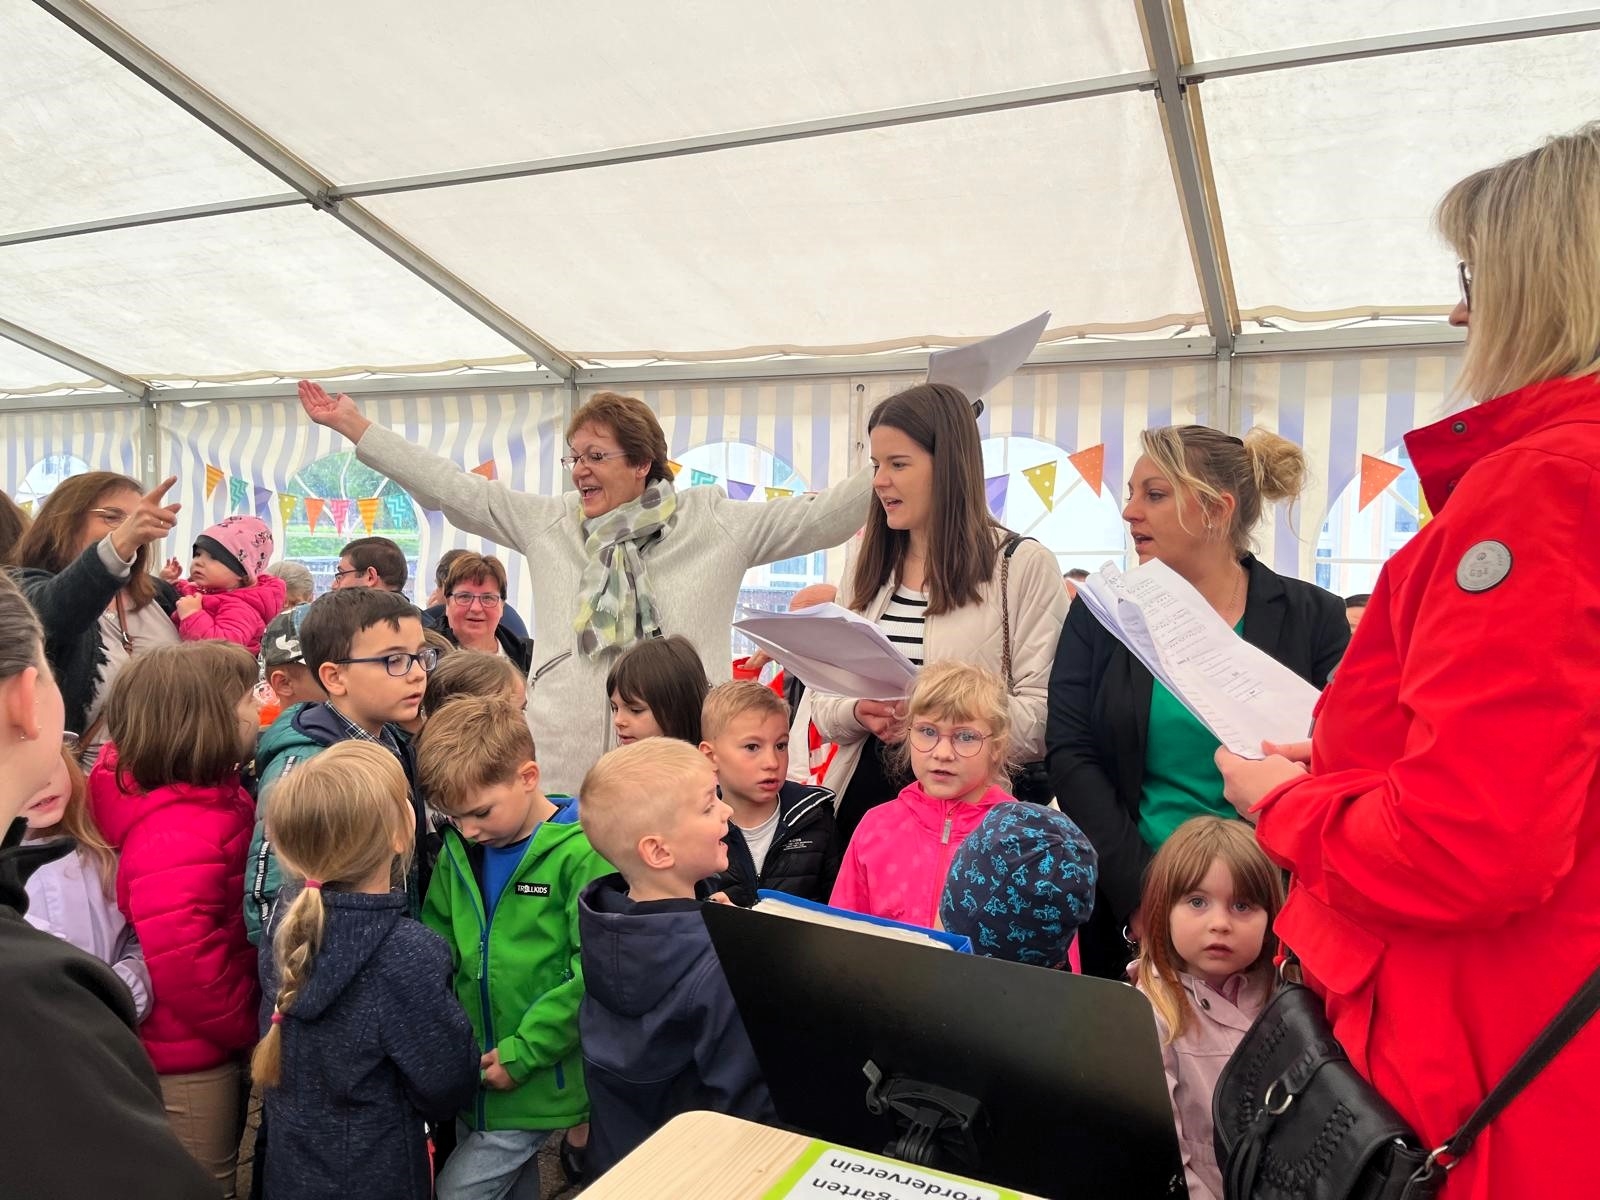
{"x":1012,"y":542}
{"x":1563,"y":1027}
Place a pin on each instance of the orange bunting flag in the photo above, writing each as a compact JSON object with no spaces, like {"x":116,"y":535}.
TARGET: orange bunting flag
{"x":1091,"y":464}
{"x":1375,"y":476}
{"x":674,"y":467}
{"x":1043,"y":479}
{"x":369,"y":511}
{"x":779,"y":493}
{"x":485,"y":469}
{"x":213,"y":478}
{"x":286,"y":505}
{"x":313,"y":511}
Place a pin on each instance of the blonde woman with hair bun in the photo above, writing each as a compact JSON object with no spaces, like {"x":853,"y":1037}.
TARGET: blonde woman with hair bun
{"x":1128,"y":761}
{"x":1445,"y":844}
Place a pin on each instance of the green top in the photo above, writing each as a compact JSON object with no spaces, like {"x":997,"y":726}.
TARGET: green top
{"x":1181,"y":779}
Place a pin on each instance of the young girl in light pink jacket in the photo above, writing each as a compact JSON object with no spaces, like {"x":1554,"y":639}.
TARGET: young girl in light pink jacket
{"x":1205,"y":962}
{"x":957,"y":734}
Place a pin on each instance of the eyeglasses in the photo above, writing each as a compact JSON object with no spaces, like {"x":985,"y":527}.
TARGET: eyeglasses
{"x":965,"y":742}
{"x":593,"y":457}
{"x":1464,"y":278}
{"x":111,"y":516}
{"x":69,"y":740}
{"x":465,"y":599}
{"x":399,"y":665}
{"x":347,"y":571}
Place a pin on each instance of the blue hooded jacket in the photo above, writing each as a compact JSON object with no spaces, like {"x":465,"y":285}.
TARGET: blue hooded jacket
{"x":661,"y":1034}
{"x":374,"y":1043}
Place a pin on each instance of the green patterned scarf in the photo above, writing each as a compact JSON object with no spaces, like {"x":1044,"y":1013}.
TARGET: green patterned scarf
{"x":619,"y":608}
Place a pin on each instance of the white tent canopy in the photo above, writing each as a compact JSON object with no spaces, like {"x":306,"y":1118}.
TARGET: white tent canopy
{"x":210,"y":190}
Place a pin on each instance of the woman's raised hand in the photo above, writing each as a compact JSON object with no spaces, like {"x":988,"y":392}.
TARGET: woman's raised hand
{"x":150,"y":521}
{"x":339,"y":413}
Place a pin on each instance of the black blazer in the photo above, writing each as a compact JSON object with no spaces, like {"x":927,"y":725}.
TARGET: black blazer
{"x":518,"y":650}
{"x":1099,"y":715}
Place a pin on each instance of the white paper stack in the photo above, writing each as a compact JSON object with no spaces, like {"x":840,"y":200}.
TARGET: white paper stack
{"x":1241,"y":694}
{"x":834,"y":650}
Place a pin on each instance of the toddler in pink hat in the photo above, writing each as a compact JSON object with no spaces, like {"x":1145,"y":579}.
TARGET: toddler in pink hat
{"x":227,"y":596}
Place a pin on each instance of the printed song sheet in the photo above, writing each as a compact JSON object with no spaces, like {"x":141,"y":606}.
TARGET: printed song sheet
{"x":833,"y":650}
{"x":1241,"y":694}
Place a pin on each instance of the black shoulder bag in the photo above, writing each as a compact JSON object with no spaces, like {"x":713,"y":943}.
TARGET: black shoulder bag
{"x":1295,"y":1121}
{"x":1030,"y":781}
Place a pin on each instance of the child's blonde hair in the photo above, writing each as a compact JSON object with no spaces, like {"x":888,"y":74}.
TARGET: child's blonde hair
{"x":634,"y":791}
{"x":728,"y":701}
{"x":77,"y":823}
{"x":1177,"y":869}
{"x":473,"y":743}
{"x":958,"y":691}
{"x":334,"y":822}
{"x":469,"y":673}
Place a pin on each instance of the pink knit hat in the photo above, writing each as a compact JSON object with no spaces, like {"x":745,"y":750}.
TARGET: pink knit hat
{"x":245,"y":545}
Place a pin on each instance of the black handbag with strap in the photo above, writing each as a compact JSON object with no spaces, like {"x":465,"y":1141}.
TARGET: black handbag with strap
{"x":1030,"y":781}
{"x":1294,"y":1120}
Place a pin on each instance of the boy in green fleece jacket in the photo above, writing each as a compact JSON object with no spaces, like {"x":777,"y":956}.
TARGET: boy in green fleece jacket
{"x":505,"y":896}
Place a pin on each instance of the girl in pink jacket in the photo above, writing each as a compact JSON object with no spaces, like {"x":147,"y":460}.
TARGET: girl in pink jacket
{"x":1205,"y":963}
{"x":228,"y":596}
{"x":957,"y":732}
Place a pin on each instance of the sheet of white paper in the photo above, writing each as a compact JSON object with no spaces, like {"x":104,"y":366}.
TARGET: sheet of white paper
{"x":834,"y":650}
{"x":977,"y":368}
{"x":1243,"y":695}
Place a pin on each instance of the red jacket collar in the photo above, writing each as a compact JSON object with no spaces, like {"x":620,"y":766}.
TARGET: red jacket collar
{"x":1442,"y":452}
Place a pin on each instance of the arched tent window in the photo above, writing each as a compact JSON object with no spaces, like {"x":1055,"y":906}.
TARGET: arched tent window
{"x":745,"y":472}
{"x":1081,"y":528}
{"x":340,"y":477}
{"x":44,"y":476}
{"x":1355,"y":544}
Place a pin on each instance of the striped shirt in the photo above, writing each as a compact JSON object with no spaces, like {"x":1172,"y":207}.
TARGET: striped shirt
{"x":902,"y":622}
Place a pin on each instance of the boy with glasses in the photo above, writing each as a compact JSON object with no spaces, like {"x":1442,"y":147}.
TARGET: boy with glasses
{"x":365,"y":647}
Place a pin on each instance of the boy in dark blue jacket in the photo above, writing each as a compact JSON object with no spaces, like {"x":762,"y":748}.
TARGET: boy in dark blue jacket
{"x":660,"y":1032}
{"x":782,"y":835}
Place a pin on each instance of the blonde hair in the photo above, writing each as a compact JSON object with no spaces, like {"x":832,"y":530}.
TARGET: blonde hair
{"x":635,"y":791}
{"x":77,"y":823}
{"x":1204,"y":464}
{"x":728,"y":701}
{"x":1177,"y":869}
{"x":334,"y":820}
{"x":472,"y":743}
{"x":469,"y":673}
{"x":958,"y":691}
{"x":1530,"y":230}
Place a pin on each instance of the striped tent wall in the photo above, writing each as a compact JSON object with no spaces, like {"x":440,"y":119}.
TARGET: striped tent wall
{"x":805,"y":423}
{"x":266,"y":442}
{"x":1337,"y":407}
{"x":106,"y":439}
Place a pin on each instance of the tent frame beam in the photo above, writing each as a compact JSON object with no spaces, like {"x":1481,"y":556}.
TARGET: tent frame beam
{"x":125,"y":384}
{"x":115,"y":42}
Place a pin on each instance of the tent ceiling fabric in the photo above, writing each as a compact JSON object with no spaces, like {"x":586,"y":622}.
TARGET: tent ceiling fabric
{"x":946,"y":228}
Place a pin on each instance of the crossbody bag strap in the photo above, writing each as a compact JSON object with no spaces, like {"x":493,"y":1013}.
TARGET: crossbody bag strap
{"x":1012,"y":542}
{"x":1561,"y":1030}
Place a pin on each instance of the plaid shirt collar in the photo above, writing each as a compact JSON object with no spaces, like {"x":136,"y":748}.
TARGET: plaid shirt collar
{"x":385,"y":737}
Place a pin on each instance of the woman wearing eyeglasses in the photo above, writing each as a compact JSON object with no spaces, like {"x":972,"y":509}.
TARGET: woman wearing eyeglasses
{"x":1445,"y":843}
{"x":623,"y":557}
{"x":474,"y":599}
{"x":84,"y":566}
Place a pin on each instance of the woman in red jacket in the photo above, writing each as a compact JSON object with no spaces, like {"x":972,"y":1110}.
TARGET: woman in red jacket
{"x":1445,"y":844}
{"x":166,"y":793}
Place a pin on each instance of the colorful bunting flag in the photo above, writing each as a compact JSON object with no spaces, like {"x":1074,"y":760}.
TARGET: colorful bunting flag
{"x":486,"y":469}
{"x":740,"y":491}
{"x":674,"y":467}
{"x":339,"y":510}
{"x":214,"y":476}
{"x":368,"y":506}
{"x":700,"y":478}
{"x":1424,"y":513}
{"x":286,"y":505}
{"x":263,"y":505}
{"x":1043,"y":479}
{"x":994,"y":490}
{"x":399,"y":508}
{"x":1375,"y":476}
{"x":779,"y":493}
{"x":27,"y":507}
{"x":238,"y":493}
{"x":313,"y":511}
{"x":1091,"y":464}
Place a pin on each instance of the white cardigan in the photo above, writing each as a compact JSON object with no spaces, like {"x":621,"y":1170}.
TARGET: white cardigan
{"x":696,"y":568}
{"x":972,"y":634}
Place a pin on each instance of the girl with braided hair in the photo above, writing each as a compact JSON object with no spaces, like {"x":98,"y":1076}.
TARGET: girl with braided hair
{"x":364,"y":1040}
